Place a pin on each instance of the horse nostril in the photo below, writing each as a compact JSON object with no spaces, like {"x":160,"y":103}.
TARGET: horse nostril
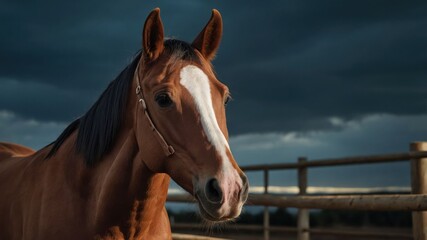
{"x":213,"y":191}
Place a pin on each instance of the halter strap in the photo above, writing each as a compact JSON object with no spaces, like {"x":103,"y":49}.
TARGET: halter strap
{"x":168,"y":149}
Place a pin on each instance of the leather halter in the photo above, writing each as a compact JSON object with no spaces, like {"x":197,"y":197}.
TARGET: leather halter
{"x":168,"y":149}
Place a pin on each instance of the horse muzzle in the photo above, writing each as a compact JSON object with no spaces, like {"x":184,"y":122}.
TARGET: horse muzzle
{"x":222,"y":200}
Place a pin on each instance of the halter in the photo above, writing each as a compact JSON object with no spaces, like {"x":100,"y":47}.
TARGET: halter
{"x":168,"y":149}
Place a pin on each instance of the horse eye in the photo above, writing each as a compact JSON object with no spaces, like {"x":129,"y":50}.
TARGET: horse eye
{"x":163,"y":100}
{"x":227,"y":99}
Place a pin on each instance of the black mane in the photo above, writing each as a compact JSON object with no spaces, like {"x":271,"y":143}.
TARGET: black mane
{"x":98,"y":128}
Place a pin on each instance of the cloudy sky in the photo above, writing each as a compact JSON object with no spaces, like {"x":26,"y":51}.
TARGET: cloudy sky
{"x":309,"y":78}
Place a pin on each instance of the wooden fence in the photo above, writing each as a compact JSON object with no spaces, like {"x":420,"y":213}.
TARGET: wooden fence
{"x":415,"y":202}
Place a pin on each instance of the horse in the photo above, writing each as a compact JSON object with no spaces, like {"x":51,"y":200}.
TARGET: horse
{"x":107,"y":175}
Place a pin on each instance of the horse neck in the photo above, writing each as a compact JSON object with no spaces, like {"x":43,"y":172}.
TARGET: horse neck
{"x":126,"y":191}
{"x":123,"y":181}
{"x":120,"y":189}
{"x":126,"y":184}
{"x":127,"y":194}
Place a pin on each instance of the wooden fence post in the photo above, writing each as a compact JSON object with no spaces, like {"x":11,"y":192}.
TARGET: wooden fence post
{"x":303,"y":223}
{"x":266,"y":211}
{"x":419,"y":186}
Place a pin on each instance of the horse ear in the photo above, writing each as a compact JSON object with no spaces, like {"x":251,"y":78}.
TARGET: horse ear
{"x":207,"y":42}
{"x":152,"y":38}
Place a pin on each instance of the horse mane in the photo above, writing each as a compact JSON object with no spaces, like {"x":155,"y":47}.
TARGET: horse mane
{"x":99,"y":127}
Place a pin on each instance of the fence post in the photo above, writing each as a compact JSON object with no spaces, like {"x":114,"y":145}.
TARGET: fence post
{"x":266,"y":212}
{"x":419,"y":186}
{"x":303,"y":223}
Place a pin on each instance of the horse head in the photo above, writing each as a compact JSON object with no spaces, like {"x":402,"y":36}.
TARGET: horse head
{"x":182,"y":118}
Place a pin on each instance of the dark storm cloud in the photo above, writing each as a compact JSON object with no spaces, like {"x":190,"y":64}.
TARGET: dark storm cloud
{"x":38,"y":100}
{"x":344,"y":60}
{"x":290,"y":64}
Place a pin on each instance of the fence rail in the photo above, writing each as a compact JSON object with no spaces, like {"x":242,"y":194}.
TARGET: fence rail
{"x":386,"y":202}
{"x":396,"y":157}
{"x":415,"y":202}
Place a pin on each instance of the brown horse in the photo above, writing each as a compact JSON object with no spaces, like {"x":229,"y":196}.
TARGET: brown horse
{"x":107,"y":174}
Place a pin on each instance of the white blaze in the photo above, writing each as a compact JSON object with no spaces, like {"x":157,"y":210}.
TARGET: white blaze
{"x":197,"y":84}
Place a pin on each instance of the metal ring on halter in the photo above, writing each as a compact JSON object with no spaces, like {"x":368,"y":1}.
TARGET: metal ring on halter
{"x":142,"y":102}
